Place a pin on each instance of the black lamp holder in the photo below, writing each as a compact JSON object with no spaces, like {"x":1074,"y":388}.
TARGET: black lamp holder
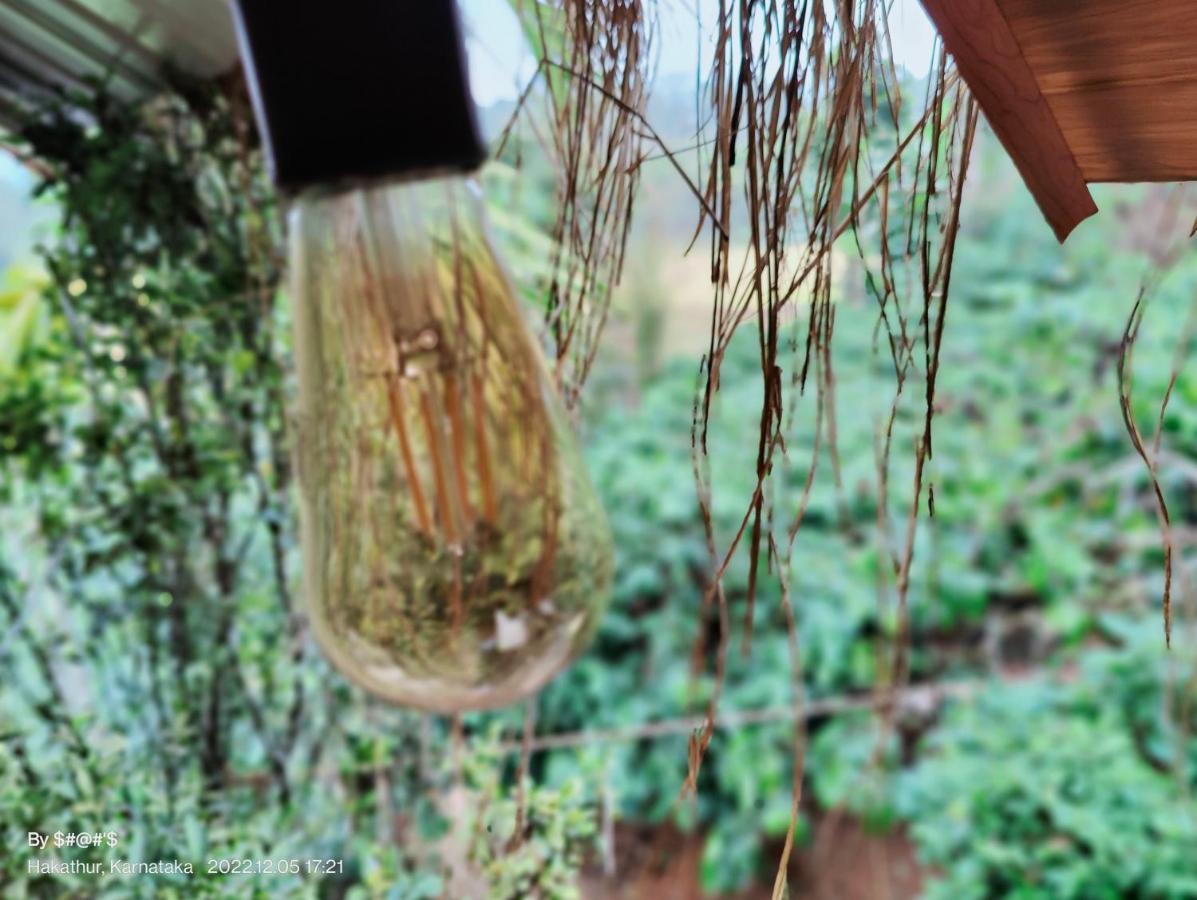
{"x":358,"y":91}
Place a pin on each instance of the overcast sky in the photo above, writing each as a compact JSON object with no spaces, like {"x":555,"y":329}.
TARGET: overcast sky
{"x":501,"y":64}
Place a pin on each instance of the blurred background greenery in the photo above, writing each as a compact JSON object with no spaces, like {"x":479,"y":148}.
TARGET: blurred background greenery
{"x":157,"y":682}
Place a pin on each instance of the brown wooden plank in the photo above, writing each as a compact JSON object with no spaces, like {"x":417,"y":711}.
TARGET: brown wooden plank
{"x":1080,"y":44}
{"x":1121,"y":79}
{"x":989,"y":58}
{"x":1132,"y":132}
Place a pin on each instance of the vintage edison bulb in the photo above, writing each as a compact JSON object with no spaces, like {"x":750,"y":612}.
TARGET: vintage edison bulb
{"x":456,"y":555}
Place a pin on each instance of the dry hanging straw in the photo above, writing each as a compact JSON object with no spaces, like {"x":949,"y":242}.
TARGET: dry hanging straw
{"x":594,"y":63}
{"x":806,"y":125}
{"x":807,"y":147}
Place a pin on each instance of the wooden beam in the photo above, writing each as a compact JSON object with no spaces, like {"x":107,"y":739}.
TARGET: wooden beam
{"x":1121,"y":79}
{"x":107,"y":59}
{"x":990,"y":60}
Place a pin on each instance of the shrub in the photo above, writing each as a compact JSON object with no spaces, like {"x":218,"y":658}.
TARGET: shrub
{"x":1033,"y":791}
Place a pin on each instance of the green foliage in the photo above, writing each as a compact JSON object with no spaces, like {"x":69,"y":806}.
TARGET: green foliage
{"x":20,"y":315}
{"x":534,"y":850}
{"x":161,"y":684}
{"x":1064,"y":788}
{"x":156,"y":679}
{"x":1042,"y":511}
{"x":1035,"y":791}
{"x":851,"y":764}
{"x":1151,"y":695}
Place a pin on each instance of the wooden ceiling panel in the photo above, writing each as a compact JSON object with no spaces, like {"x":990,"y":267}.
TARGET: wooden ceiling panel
{"x":51,"y":43}
{"x":1075,"y":43}
{"x":1118,"y":79}
{"x":1131,"y":132}
{"x":990,"y":59}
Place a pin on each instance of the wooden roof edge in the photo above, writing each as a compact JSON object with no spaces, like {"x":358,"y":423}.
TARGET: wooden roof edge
{"x":991,"y":62}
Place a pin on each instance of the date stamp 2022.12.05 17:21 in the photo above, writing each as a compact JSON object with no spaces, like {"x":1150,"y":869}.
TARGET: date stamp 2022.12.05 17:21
{"x":54,"y":854}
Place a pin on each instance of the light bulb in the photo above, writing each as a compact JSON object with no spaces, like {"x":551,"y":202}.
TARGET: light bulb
{"x":456,"y":555}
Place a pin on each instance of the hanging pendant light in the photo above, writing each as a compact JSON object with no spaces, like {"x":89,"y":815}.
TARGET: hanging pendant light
{"x":456,"y":556}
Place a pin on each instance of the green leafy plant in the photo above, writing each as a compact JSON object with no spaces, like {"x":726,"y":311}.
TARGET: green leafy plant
{"x":528,"y":840}
{"x":1030,"y":792}
{"x":146,"y":557}
{"x":158,"y":685}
